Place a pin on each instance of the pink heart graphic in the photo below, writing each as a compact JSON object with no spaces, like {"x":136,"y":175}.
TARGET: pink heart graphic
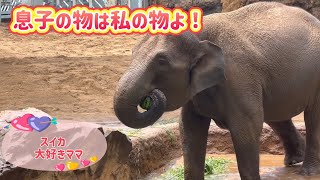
{"x":59,"y":167}
{"x":21,"y":123}
{"x":85,"y":163}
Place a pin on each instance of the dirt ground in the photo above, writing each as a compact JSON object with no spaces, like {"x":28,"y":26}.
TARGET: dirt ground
{"x":70,"y":77}
{"x":67,"y":76}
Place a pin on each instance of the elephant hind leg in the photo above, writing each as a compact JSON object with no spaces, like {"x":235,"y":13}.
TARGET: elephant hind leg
{"x":311,"y":164}
{"x":294,"y":144}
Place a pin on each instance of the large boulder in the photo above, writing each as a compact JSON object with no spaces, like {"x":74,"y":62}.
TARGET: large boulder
{"x":214,"y":6}
{"x":209,"y":6}
{"x":312,"y":6}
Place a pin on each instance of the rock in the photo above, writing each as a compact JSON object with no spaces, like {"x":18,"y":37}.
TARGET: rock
{"x":115,"y":164}
{"x":209,"y":6}
{"x":311,"y":6}
{"x":154,"y":150}
{"x":231,"y":5}
{"x":125,"y":158}
{"x":145,"y":152}
{"x":219,"y":141}
{"x":215,"y":6}
{"x":316,"y":11}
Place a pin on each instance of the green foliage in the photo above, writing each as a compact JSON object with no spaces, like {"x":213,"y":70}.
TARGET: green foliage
{"x":213,"y":166}
{"x":171,"y":135}
{"x":174,"y":174}
{"x":133,"y":133}
{"x":167,"y":121}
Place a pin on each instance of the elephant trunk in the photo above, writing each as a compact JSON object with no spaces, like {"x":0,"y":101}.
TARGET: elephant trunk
{"x":130,"y":93}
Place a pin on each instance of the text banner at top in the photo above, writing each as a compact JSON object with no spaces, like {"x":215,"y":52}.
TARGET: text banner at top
{"x":115,"y":20}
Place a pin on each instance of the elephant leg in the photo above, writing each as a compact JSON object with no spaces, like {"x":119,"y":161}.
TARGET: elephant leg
{"x":194,"y":133}
{"x":245,"y":129}
{"x":245,"y":139}
{"x":311,"y":164}
{"x":294,"y":144}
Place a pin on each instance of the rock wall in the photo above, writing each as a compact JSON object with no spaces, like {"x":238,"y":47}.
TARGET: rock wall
{"x":136,"y":156}
{"x":212,"y":6}
{"x":209,"y":6}
{"x":312,"y":6}
{"x":126,"y":157}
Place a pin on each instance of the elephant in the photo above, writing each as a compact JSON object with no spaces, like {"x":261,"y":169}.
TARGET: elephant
{"x":260,"y":63}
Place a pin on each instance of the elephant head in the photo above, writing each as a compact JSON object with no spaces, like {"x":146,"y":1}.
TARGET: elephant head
{"x":168,"y":70}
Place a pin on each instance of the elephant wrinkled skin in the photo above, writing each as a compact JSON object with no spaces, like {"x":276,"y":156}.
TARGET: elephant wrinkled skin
{"x":260,"y":63}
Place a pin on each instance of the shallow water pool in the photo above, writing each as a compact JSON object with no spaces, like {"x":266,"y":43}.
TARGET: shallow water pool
{"x":271,"y":168}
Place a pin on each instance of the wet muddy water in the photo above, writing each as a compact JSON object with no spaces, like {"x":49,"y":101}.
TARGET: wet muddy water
{"x":271,"y":168}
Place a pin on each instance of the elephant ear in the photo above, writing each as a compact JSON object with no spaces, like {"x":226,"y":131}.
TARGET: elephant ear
{"x":207,"y":69}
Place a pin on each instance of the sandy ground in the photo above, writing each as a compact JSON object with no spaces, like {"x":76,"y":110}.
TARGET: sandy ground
{"x":67,"y":76}
{"x":70,"y":77}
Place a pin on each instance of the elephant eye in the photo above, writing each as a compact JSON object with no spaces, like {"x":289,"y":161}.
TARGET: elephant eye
{"x":162,"y":60}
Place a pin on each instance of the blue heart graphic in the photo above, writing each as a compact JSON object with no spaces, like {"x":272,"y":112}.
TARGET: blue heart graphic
{"x":39,"y":124}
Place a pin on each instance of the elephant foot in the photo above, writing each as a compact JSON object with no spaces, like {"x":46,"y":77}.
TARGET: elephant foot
{"x":291,"y":159}
{"x":310,"y":170}
{"x":295,"y":156}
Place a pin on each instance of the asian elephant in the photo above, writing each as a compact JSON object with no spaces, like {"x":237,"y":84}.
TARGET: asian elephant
{"x":260,"y":63}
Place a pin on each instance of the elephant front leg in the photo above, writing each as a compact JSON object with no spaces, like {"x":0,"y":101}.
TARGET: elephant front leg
{"x":194,"y":134}
{"x":311,"y":164}
{"x":245,"y":135}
